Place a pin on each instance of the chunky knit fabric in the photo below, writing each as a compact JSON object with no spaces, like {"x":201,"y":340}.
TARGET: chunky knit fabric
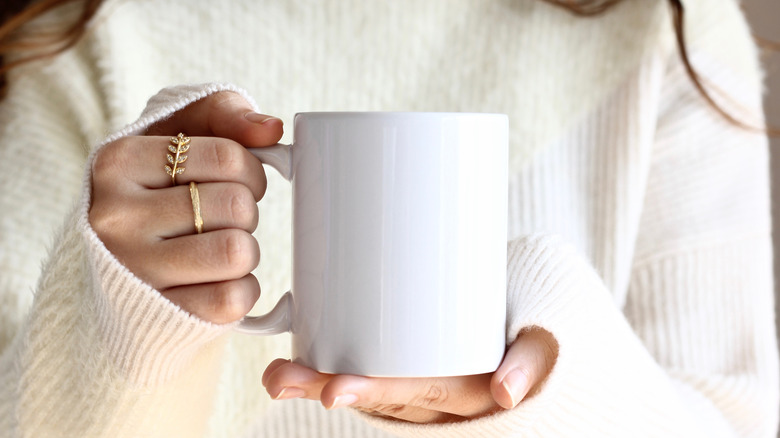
{"x":639,"y":219}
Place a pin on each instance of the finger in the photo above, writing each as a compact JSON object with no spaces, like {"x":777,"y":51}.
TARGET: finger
{"x":284,"y":379}
{"x":465,"y":396}
{"x":219,"y":303}
{"x":169,"y":212}
{"x":410,"y":414}
{"x":141,"y":161}
{"x":223,"y":114}
{"x":199,"y":258}
{"x":527,"y":363}
{"x":269,"y":370}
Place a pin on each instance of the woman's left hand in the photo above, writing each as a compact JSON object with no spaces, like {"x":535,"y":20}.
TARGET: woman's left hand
{"x":526,"y":364}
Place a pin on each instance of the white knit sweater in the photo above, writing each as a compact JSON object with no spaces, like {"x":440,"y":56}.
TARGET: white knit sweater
{"x":639,"y":219}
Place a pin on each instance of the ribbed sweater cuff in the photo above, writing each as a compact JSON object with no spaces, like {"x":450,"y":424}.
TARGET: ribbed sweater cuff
{"x":539,"y":268}
{"x":148,"y":338}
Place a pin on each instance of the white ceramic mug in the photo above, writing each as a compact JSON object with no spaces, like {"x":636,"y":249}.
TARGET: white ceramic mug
{"x":399,"y":243}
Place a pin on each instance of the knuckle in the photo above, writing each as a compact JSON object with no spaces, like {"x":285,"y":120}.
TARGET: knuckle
{"x":221,"y":102}
{"x":105,"y":220}
{"x":240,"y":251}
{"x":228,"y":302}
{"x":124,"y":242}
{"x":109,"y":158}
{"x":227,"y":159}
{"x":241,"y":207}
{"x":436,"y":394}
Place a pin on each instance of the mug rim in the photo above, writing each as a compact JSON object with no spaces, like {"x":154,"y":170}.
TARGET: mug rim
{"x":374,"y":114}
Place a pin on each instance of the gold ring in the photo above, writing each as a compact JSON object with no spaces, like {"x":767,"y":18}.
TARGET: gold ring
{"x":179,"y":145}
{"x":196,"y":207}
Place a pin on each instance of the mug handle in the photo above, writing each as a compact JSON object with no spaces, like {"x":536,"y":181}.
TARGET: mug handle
{"x":279,"y":319}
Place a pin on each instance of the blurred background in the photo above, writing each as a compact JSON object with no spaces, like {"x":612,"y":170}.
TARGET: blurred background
{"x":764,"y":17}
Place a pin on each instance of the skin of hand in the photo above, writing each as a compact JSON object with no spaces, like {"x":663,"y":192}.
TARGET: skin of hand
{"x":528,"y":361}
{"x":148,"y":223}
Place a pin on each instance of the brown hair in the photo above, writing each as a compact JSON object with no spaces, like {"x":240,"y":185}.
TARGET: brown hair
{"x":45,"y":43}
{"x":51,"y":43}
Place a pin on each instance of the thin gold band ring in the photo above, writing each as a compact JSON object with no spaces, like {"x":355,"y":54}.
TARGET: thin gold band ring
{"x":195,"y":196}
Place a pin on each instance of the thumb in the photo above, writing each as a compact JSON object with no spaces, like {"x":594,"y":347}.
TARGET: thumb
{"x":527,"y":363}
{"x":223,"y":114}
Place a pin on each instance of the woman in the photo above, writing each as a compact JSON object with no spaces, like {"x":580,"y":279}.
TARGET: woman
{"x":639,"y":293}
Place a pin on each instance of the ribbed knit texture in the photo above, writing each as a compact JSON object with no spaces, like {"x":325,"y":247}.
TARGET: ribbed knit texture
{"x":639,"y":219}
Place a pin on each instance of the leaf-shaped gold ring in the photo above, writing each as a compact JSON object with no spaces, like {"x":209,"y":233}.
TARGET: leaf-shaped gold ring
{"x":179,"y":145}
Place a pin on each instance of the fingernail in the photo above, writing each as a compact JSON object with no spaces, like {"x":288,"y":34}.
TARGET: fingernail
{"x":290,"y":392}
{"x":258,"y":118}
{"x":515,"y":383}
{"x":343,"y":400}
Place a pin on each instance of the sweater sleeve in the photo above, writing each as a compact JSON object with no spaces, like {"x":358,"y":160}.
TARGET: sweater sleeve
{"x":693,"y":351}
{"x":101,"y":353}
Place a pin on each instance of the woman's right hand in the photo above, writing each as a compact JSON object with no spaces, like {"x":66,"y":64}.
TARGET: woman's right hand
{"x":148,"y":223}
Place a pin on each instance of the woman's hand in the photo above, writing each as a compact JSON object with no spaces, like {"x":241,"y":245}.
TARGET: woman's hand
{"x":425,"y":400}
{"x":148,"y":223}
